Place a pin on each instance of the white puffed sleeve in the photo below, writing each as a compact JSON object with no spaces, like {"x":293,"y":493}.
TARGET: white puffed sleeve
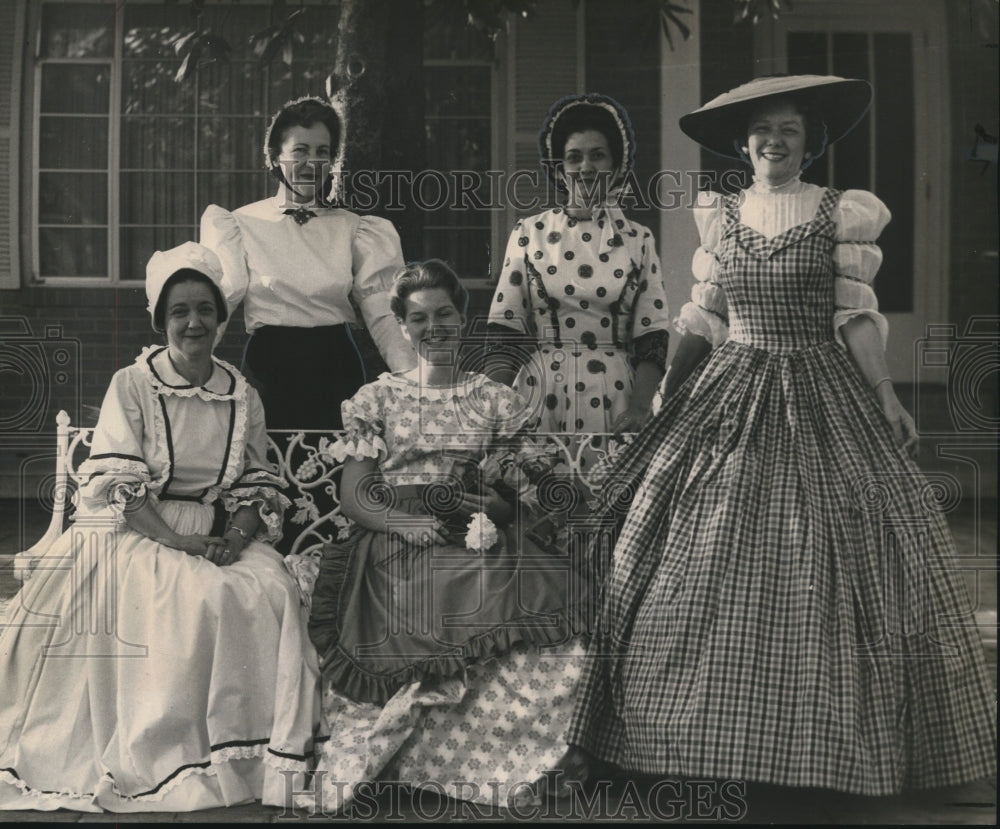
{"x":707,"y":314}
{"x":376,"y":258}
{"x":116,"y":477}
{"x":221,"y":233}
{"x":860,"y":217}
{"x":257,"y":485}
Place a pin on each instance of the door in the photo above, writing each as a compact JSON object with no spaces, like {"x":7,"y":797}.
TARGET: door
{"x":899,"y":151}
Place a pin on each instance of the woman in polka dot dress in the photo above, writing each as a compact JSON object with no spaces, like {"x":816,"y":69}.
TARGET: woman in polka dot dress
{"x":584,"y":283}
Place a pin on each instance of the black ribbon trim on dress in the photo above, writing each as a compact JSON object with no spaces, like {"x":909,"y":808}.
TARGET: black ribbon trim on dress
{"x":170,"y":442}
{"x":229,"y":443}
{"x":255,"y":485}
{"x":166,"y":496}
{"x":102,"y":455}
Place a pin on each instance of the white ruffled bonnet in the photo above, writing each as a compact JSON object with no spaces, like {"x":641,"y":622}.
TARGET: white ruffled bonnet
{"x":165,"y":263}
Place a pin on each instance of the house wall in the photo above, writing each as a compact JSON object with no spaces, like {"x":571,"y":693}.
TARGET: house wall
{"x":973,"y":288}
{"x":108,"y":326}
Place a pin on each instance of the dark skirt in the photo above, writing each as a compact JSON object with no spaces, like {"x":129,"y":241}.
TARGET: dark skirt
{"x":303,"y":374}
{"x":384,"y":615}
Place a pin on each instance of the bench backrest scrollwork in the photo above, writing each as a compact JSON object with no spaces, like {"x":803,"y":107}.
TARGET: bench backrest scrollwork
{"x":313,"y":477}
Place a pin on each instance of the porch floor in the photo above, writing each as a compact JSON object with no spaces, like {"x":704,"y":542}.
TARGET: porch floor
{"x":626,"y":798}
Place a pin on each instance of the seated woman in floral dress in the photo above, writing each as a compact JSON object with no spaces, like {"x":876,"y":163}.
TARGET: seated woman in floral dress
{"x":147,"y":664}
{"x":447,"y":645}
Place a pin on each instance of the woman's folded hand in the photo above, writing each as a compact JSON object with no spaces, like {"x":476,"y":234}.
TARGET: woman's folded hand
{"x":212,"y":547}
{"x":490,"y":502}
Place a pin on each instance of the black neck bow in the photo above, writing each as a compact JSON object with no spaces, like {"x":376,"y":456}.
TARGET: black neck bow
{"x":300,"y":214}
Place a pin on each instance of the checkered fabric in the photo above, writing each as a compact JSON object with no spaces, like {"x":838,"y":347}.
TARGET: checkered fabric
{"x":783,"y":605}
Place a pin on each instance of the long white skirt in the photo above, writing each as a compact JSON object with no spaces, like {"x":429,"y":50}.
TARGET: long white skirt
{"x":138,"y":678}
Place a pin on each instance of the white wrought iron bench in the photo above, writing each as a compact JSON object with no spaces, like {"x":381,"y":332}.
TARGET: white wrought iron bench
{"x":313,"y":476}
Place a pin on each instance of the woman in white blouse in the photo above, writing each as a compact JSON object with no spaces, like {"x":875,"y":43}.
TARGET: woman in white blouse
{"x":296,"y":262}
{"x":783,"y":606}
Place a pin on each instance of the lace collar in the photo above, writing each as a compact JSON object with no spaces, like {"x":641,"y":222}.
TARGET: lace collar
{"x":225,"y":383}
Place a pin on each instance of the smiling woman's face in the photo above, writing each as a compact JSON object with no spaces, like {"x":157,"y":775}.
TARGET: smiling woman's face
{"x":433,"y":324}
{"x":776,"y":142}
{"x":587,"y":165}
{"x":305,"y":158}
{"x":192,"y":319}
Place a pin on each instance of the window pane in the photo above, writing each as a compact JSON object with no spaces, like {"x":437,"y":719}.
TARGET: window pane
{"x":158,"y":143}
{"x":75,"y":87}
{"x":73,"y":198}
{"x":74,"y":143}
{"x":228,"y":89}
{"x":78,"y":31}
{"x":151,"y":29}
{"x":231,"y":143}
{"x":232,"y":190}
{"x":148,"y":87}
{"x":157,"y":198}
{"x":71,"y":251}
{"x":137,"y":244}
{"x":453,"y":91}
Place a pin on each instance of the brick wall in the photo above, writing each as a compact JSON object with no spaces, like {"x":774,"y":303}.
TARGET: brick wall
{"x":106,"y":328}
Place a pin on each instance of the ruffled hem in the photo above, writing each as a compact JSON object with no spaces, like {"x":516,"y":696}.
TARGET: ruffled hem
{"x":350,"y":679}
{"x":39,"y":798}
{"x":218,"y":757}
{"x":269,"y":502}
{"x":358,"y":449}
{"x":113,"y":483}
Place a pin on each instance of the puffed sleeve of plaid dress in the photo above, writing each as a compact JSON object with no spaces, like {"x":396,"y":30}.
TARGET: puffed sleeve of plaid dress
{"x":707,"y":312}
{"x":860,"y":218}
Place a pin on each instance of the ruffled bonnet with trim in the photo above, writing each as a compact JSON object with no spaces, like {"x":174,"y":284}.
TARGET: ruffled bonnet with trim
{"x":592,"y":100}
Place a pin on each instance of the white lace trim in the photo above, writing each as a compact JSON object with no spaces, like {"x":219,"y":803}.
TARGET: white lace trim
{"x":217,"y":758}
{"x":271,"y":509}
{"x":238,"y":442}
{"x":304,"y":568}
{"x":270,"y":503}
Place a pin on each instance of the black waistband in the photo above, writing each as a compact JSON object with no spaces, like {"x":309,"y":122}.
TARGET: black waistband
{"x":289,"y":332}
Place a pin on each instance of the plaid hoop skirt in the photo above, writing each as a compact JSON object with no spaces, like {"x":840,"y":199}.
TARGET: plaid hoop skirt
{"x":783,"y":605}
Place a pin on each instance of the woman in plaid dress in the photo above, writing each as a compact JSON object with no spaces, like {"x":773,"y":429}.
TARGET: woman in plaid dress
{"x":783,"y":606}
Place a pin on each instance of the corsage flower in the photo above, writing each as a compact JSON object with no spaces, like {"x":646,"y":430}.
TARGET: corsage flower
{"x":482,"y":533}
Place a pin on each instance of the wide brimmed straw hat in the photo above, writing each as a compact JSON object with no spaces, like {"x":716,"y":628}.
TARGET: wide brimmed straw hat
{"x":165,"y":263}
{"x":841,"y":102}
{"x":603,"y":104}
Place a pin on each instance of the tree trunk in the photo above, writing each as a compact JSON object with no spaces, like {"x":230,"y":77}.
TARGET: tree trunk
{"x":377,"y":82}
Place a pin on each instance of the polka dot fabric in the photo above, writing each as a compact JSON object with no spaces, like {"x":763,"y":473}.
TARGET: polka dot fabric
{"x":585,"y":291}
